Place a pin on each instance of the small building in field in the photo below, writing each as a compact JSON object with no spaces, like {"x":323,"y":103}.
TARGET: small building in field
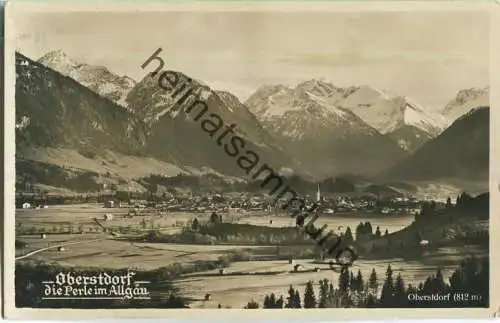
{"x":208,"y":297}
{"x":109,"y":204}
{"x":222,"y":271}
{"x":424,"y":243}
{"x":296,"y":267}
{"x":108,"y":217}
{"x":317,"y":270}
{"x":26,"y":205}
{"x":43,"y":236}
{"x":61,"y":249}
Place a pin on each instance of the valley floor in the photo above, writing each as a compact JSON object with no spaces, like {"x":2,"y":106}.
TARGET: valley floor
{"x":242,"y":281}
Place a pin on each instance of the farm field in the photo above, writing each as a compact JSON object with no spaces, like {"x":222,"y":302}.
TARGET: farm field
{"x":82,"y":216}
{"x":236,"y":290}
{"x":110,"y":252}
{"x":241,"y":282}
{"x":102,"y":251}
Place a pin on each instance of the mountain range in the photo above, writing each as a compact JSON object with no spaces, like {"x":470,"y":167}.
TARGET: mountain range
{"x":307,"y":123}
{"x":461,"y":151}
{"x":396,"y":117}
{"x":97,"y":78}
{"x":82,"y":119}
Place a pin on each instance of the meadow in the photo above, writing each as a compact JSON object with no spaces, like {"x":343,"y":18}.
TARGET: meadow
{"x":255,"y":272}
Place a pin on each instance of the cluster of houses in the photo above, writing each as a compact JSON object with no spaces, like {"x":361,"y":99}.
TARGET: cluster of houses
{"x":195,"y":203}
{"x":245,"y":202}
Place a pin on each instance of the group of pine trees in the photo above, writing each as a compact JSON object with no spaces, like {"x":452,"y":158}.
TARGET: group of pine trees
{"x":464,"y":201}
{"x":364,"y":231}
{"x":352,"y":290}
{"x":214,"y":219}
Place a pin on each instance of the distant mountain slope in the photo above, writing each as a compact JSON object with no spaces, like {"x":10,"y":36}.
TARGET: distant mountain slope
{"x":190,"y":144}
{"x":67,"y":136}
{"x":409,"y":138}
{"x":325,"y":138}
{"x":56,"y":111}
{"x":97,"y":78}
{"x":465,"y":101}
{"x":56,"y":117}
{"x":460,"y":152}
{"x":406,"y":122}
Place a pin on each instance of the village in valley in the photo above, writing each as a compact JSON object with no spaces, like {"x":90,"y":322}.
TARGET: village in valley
{"x":227,"y":202}
{"x":222,"y":234}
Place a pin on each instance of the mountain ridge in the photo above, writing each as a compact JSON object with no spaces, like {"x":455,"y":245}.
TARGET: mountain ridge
{"x":308,"y":124}
{"x":461,"y":152}
{"x":386,"y":112}
{"x":466,"y":100}
{"x":285,"y":125}
{"x":97,"y":78}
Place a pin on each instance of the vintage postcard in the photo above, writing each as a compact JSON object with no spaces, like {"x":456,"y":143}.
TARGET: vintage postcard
{"x":211,"y":160}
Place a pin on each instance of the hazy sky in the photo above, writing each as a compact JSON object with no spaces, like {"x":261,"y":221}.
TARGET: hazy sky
{"x":427,"y":56}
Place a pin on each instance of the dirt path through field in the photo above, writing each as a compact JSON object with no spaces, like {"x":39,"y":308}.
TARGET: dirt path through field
{"x":56,"y":246}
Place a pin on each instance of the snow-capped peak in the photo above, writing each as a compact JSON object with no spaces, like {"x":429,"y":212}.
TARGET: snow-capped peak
{"x":59,"y":61}
{"x":97,"y":78}
{"x":312,"y":96}
{"x":465,"y":101}
{"x":419,"y":117}
{"x":386,"y":111}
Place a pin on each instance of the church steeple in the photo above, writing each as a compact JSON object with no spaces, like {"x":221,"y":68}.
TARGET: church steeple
{"x":318,"y":195}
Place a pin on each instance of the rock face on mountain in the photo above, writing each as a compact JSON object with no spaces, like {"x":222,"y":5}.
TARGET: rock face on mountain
{"x":67,"y":136}
{"x":465,"y":101}
{"x":167,"y":117}
{"x":56,"y":113}
{"x":322,"y":136}
{"x":97,"y":78}
{"x":69,"y":121}
{"x":407,"y":123}
{"x":460,"y":152}
{"x":409,"y":137}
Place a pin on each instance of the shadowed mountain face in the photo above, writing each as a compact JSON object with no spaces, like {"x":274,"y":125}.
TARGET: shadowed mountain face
{"x":174,"y":131}
{"x":409,"y":138}
{"x":55,"y":111}
{"x":64,"y":129}
{"x":314,"y":131}
{"x":308,"y":123}
{"x":460,"y":152}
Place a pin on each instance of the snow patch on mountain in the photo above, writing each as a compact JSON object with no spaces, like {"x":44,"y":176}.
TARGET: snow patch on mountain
{"x":97,"y":78}
{"x":423,"y":119}
{"x":465,"y":101}
{"x":387,"y":112}
{"x":310,"y":97}
{"x":59,"y":61}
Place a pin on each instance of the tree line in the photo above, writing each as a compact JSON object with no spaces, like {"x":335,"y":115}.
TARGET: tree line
{"x":471,"y":278}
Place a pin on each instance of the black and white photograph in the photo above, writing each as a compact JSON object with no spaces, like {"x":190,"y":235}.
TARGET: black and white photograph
{"x":250,"y":158}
